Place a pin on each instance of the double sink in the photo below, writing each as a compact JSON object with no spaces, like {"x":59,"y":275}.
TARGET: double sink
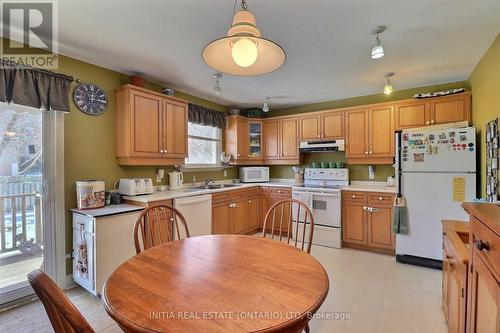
{"x":212,"y":187}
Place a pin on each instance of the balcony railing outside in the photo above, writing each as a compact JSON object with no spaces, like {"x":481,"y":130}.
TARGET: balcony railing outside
{"x":20,"y":223}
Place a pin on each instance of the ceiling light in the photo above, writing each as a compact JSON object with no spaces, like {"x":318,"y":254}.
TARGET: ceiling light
{"x":265,"y":107}
{"x":388,"y":86}
{"x":243,"y":51}
{"x":378,"y":49}
{"x":217,"y":90}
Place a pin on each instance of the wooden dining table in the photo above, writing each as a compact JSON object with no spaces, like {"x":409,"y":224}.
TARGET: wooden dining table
{"x":217,"y":283}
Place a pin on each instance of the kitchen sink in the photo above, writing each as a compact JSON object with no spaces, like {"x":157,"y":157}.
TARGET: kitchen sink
{"x":215,"y":186}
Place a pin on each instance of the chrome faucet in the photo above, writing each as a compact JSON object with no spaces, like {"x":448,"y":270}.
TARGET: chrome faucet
{"x":209,"y":180}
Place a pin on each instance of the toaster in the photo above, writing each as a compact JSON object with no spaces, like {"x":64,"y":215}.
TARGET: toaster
{"x":135,"y":186}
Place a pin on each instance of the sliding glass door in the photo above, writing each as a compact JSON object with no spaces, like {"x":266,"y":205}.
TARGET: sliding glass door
{"x":23,"y":198}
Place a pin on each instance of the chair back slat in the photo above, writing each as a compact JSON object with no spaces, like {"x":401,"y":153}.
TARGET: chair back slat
{"x":156,"y":225}
{"x":63,"y":315}
{"x":299,"y":229}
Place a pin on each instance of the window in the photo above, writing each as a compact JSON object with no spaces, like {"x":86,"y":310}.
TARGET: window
{"x":204,"y":145}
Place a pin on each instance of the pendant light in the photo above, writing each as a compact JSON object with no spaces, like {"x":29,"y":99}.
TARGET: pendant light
{"x":388,"y":86}
{"x":265,"y":107}
{"x":378,"y":49}
{"x":217,"y":90}
{"x":243,"y":51}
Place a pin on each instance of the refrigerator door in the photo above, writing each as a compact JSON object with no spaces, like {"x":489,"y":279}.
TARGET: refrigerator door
{"x":429,"y":199}
{"x":447,"y":150}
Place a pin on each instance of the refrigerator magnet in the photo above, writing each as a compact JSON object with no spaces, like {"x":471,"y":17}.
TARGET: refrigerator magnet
{"x":418,"y":157}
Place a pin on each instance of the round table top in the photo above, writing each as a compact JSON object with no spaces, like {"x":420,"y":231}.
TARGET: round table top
{"x":218,"y":283}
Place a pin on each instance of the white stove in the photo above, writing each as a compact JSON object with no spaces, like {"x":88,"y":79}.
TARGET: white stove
{"x":321,"y":193}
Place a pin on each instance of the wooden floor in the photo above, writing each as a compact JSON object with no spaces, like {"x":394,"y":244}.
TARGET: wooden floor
{"x":377,"y":293}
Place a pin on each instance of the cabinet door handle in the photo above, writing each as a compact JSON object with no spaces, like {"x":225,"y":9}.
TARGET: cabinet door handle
{"x":481,"y":246}
{"x":279,"y":192}
{"x":354,"y":197}
{"x":371,"y":152}
{"x":319,"y":136}
{"x":165,"y":151}
{"x":161,"y":151}
{"x":380,"y":198}
{"x":432,"y":121}
{"x":249,"y":201}
{"x":427,"y":122}
{"x":366,"y":153}
{"x":238,"y":155}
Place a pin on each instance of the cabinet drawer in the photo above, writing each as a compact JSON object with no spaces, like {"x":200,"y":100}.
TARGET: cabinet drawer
{"x":381,"y":199}
{"x":221,"y":197}
{"x":237,"y":194}
{"x":359,"y":197}
{"x":253,"y":191}
{"x":280,"y":191}
{"x":491,"y":255}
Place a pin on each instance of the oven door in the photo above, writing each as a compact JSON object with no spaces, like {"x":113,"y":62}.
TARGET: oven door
{"x":326,"y":209}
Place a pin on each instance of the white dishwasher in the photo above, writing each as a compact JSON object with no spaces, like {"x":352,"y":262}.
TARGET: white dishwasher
{"x":197,"y":210}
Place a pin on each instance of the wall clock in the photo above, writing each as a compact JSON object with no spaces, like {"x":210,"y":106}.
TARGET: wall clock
{"x":90,"y":99}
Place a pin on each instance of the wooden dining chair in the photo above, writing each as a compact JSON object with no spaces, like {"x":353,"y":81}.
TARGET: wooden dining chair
{"x":290,"y":219}
{"x":158,"y":224}
{"x":63,"y":315}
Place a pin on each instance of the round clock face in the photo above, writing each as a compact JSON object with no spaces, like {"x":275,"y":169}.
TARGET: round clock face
{"x":90,"y":99}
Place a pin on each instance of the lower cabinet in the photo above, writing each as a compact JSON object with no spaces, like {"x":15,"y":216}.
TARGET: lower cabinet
{"x":236,"y":212}
{"x":243,"y":211}
{"x":454,"y":284}
{"x":367,"y":221}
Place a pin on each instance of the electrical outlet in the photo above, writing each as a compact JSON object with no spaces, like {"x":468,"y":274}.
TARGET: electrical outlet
{"x":225,"y":173}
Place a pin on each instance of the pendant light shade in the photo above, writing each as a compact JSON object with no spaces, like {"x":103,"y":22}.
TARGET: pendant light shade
{"x":243,"y":51}
{"x":378,"y":49}
{"x":388,"y":86}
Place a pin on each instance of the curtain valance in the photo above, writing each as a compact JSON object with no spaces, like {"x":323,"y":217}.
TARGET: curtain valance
{"x":34,"y":87}
{"x":204,"y":116}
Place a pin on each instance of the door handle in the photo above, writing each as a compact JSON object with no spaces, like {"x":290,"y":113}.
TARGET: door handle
{"x":374,"y":210}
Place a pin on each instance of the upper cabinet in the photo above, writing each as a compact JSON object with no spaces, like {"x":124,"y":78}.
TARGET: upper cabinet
{"x":237,"y":138}
{"x":151,"y":129}
{"x":322,"y":126}
{"x":449,"y":109}
{"x":370,"y":135}
{"x":434,"y":111}
{"x":281,"y":143}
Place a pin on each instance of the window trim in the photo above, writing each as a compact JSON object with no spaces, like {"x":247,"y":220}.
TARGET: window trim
{"x":201,"y":166}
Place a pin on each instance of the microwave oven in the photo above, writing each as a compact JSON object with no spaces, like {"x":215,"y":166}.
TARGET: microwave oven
{"x":254,"y":174}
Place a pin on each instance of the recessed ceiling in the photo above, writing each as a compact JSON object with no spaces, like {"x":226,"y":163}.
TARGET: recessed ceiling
{"x":327,"y":42}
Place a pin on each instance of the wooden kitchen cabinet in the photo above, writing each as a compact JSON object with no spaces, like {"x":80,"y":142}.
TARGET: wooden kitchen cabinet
{"x":237,"y":139}
{"x":332,"y":124}
{"x":253,"y":213}
{"x":151,"y":129}
{"x":238,"y":216}
{"x":356,"y":122}
{"x":310,"y":127}
{"x":453,"y":108}
{"x":483,"y":302}
{"x":455,"y":268}
{"x":367,"y":221}
{"x":220,"y":213}
{"x":322,"y":126}
{"x":277,"y":194}
{"x":370,"y":135}
{"x":281,"y":145}
{"x":410,"y":114}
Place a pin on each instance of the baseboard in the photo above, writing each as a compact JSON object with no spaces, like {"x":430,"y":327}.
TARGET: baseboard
{"x":419,"y":261}
{"x":389,"y":252}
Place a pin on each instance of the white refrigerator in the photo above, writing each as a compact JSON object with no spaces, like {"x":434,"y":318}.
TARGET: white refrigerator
{"x":436,"y":172}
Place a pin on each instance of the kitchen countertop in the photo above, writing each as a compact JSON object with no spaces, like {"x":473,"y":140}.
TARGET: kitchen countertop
{"x":187,"y":192}
{"x":368,"y":186}
{"x":107,"y":210}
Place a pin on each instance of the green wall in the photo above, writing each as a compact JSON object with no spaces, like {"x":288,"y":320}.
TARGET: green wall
{"x":90,"y":141}
{"x":485,"y":86}
{"x":356,"y":172}
{"x":367,"y":99}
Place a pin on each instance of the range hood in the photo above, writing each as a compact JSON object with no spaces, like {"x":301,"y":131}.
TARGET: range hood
{"x":321,"y":146}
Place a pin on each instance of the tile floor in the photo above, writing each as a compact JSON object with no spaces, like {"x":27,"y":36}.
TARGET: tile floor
{"x":378,"y":294}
